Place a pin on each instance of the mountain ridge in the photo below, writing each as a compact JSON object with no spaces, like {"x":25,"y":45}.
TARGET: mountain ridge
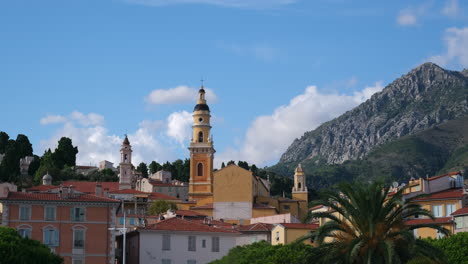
{"x":423,"y":98}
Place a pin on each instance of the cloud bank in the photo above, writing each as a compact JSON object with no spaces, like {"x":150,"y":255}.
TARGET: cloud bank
{"x":269,"y":136}
{"x":179,"y":95}
{"x":456,"y":43}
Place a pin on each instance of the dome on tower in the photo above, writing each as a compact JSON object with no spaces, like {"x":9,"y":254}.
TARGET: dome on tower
{"x":201,"y":107}
{"x":299,"y":168}
{"x":47,"y":179}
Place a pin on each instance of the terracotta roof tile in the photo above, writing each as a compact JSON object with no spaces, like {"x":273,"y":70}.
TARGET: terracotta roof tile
{"x":316,"y":207}
{"x":128,"y":191}
{"x":161,"y":196}
{"x":188,"y":213}
{"x":300,"y":226}
{"x":42,"y":188}
{"x":21,"y":196}
{"x":90,"y":187}
{"x":177,"y":224}
{"x":461,"y":211}
{"x":443,"y":175}
{"x":258,"y":227}
{"x":439,"y":220}
{"x":446,"y":194}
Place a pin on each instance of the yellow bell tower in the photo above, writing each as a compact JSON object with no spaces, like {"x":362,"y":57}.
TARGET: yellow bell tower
{"x":300,"y":192}
{"x":201,"y":153}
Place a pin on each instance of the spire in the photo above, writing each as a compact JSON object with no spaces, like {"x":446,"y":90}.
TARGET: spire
{"x":299,"y":168}
{"x":201,"y":96}
{"x":126,"y":141}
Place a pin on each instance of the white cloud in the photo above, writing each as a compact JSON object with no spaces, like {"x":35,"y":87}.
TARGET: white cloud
{"x":223,"y":3}
{"x":178,"y":95}
{"x":407,"y":18}
{"x":95,"y":142}
{"x":451,"y":8}
{"x":456,"y":41}
{"x":269,"y":136}
{"x":52,"y":119}
{"x":178,"y":126}
{"x":410,"y":16}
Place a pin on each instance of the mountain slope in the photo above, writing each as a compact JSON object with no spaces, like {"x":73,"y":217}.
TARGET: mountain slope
{"x":422,"y":99}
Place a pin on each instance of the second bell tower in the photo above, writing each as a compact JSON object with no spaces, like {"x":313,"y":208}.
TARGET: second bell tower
{"x":201,"y":152}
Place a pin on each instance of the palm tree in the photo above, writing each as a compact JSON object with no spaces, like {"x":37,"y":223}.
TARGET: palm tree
{"x":366,"y":225}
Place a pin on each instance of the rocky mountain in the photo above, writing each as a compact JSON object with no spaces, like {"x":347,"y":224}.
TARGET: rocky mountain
{"x":422,"y":99}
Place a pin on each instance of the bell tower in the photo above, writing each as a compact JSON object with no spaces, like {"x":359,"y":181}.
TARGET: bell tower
{"x":126,"y":171}
{"x":299,"y":191}
{"x":201,"y":152}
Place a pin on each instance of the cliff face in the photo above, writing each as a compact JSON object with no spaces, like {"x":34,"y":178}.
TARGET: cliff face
{"x":425,"y":97}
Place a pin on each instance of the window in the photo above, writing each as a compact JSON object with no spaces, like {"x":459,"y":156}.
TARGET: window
{"x":78,"y":214}
{"x":286,"y":207}
{"x":191,"y":261}
{"x":417,"y":188}
{"x":203,"y":244}
{"x":277,"y":236}
{"x":458,"y":222}
{"x":166,"y":242}
{"x":437,"y":210}
{"x":78,"y":238}
{"x":192,"y":243}
{"x":77,"y":261}
{"x":51,"y":237}
{"x":25,"y":213}
{"x":132,"y":221}
{"x":25,"y":232}
{"x":449,"y":209}
{"x":215,"y":244}
{"x":299,"y":185}
{"x":121,"y":220}
{"x":200,"y":136}
{"x":200,"y":169}
{"x":166,"y":261}
{"x":49,"y":213}
{"x":125,"y":157}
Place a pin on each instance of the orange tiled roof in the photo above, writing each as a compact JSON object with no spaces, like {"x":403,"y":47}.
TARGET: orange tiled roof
{"x":461,"y":211}
{"x":161,"y":196}
{"x":300,"y":226}
{"x":316,"y":207}
{"x":258,"y":227}
{"x":128,"y":191}
{"x":439,"y":220}
{"x":90,"y":187}
{"x":443,"y":175}
{"x":42,"y":188}
{"x":21,"y":196}
{"x":446,"y":194}
{"x":177,"y":224}
{"x":188,"y":213}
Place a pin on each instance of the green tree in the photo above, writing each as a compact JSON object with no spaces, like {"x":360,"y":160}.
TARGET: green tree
{"x":455,"y":247}
{"x":17,"y":250}
{"x":254,"y":170}
{"x":3,"y":141}
{"x":9,"y":169}
{"x":34,"y":166}
{"x":223,"y":165}
{"x":23,"y":146}
{"x":47,"y":165}
{"x":154,"y":167}
{"x":367,"y":226}
{"x":231,"y":162}
{"x":143,"y":169}
{"x":161,"y":206}
{"x":65,"y":153}
{"x":243,"y":164}
{"x":264,"y":253}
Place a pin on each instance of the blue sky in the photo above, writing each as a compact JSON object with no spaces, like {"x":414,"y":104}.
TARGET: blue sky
{"x":94,"y":70}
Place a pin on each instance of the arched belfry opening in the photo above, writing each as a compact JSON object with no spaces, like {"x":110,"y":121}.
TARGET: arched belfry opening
{"x":200,"y":169}
{"x":200,"y":136}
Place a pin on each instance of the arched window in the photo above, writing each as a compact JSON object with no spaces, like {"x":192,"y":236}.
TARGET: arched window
{"x":125,"y":157}
{"x":200,"y":136}
{"x":200,"y":169}
{"x":24,"y":231}
{"x":299,"y":185}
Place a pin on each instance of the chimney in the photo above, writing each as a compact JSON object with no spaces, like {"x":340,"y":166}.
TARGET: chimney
{"x":106,"y":192}
{"x":98,"y":189}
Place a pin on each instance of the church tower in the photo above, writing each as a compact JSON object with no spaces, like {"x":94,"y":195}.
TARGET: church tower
{"x":126,"y":171}
{"x":299,"y":191}
{"x":201,"y":152}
